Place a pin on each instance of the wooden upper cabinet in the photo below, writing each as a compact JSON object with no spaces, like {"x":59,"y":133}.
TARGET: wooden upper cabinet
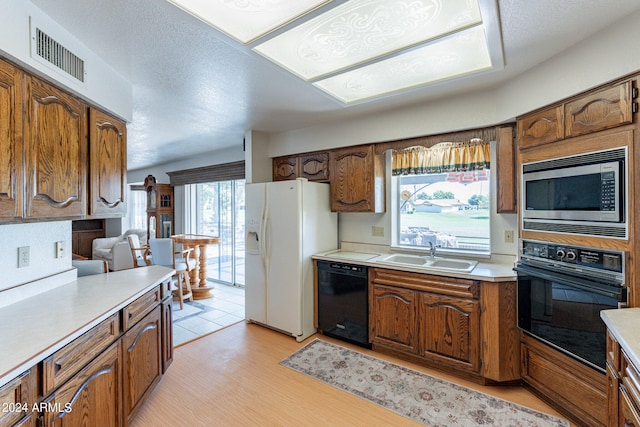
{"x":601,"y":110}
{"x":56,"y":152}
{"x":506,"y":171}
{"x":314,"y":166}
{"x":10,"y":141}
{"x":285,"y":168}
{"x":108,"y":165}
{"x":357,"y":180}
{"x":541,"y":127}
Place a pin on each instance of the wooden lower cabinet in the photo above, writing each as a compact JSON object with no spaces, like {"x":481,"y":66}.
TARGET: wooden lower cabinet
{"x":142,"y":362}
{"x":393,"y":318}
{"x":101,"y":378}
{"x":575,"y":389}
{"x":92,"y":397}
{"x":623,"y":392}
{"x":17,"y":398}
{"x":438,"y":321}
{"x":450,"y":330}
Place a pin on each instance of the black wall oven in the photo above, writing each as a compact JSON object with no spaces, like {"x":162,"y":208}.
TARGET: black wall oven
{"x":561,"y":291}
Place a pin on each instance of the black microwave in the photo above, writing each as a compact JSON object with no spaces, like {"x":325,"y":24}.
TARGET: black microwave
{"x":583,"y":189}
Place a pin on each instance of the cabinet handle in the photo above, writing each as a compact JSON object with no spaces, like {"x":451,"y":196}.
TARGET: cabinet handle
{"x":130,"y":315}
{"x":57,"y":366}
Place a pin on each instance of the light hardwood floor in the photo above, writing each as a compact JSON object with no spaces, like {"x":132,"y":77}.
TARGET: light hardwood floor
{"x":233,"y":378}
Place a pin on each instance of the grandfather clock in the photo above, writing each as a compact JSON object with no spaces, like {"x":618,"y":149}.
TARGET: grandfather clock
{"x":159,"y":208}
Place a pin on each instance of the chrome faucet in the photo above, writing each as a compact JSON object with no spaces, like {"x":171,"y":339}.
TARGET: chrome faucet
{"x":432,"y":250}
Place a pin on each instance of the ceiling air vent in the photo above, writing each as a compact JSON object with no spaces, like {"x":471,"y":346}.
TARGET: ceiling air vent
{"x":61,"y":57}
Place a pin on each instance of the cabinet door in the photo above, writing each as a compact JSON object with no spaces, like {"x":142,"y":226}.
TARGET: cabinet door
{"x":541,"y":127}
{"x":314,"y":166}
{"x":17,"y":398}
{"x":108,"y":165}
{"x":167,"y":333}
{"x":56,"y":152}
{"x":142,"y":364}
{"x":91,"y":397}
{"x":629,"y":415}
{"x":285,"y":168}
{"x":601,"y":110}
{"x":11,"y":185}
{"x":393,"y":318}
{"x":450,"y":330}
{"x":357,"y":180}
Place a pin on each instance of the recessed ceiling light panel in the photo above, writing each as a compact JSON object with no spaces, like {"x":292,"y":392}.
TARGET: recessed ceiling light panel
{"x":452,"y":57}
{"x":246,"y":20}
{"x":361,"y":30}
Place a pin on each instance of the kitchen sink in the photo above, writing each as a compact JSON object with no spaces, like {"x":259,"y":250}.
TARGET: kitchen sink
{"x":437,"y":263}
{"x":405,"y":259}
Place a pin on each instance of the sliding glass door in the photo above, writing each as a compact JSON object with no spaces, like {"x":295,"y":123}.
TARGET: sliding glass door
{"x":219,"y":211}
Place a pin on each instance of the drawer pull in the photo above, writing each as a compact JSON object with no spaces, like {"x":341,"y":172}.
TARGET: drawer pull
{"x":57,"y":367}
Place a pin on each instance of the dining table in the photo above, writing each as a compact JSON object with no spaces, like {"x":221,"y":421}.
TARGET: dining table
{"x":200,"y":288}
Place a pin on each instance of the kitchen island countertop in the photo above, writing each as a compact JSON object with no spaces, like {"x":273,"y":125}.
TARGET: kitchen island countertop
{"x":624,"y":324}
{"x":484,"y":270}
{"x":36,"y":327}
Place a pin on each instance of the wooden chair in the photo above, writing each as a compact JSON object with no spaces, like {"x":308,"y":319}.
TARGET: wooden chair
{"x":140,"y":253}
{"x":87,"y":267}
{"x":165,"y":254}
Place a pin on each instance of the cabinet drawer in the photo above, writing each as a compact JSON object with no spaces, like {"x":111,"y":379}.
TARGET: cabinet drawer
{"x":135,"y":311}
{"x":65,"y":362}
{"x":15,"y":395}
{"x":462,"y":288}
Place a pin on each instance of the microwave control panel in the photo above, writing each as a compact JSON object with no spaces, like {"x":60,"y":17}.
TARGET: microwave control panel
{"x":595,"y":258}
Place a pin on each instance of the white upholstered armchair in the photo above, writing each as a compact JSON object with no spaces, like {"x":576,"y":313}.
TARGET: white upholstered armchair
{"x":116,"y":250}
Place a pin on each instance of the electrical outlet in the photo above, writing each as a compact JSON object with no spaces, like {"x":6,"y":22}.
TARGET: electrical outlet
{"x":508,"y":236}
{"x":23,"y":256}
{"x":377,"y":231}
{"x":60,"y":249}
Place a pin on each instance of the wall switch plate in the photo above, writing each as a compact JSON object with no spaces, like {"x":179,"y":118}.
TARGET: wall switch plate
{"x":23,"y":256}
{"x":508,"y":236}
{"x":60,"y":249}
{"x":377,"y":231}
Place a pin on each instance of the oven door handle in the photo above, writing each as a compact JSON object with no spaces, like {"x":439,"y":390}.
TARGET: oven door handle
{"x":616,"y":293}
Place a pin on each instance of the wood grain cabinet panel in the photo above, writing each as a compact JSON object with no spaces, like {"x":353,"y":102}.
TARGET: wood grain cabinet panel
{"x":167,"y":333}
{"x":142,"y":362}
{"x":18,"y":397}
{"x":285,"y":168}
{"x":393,"y":314}
{"x":541,"y":127}
{"x":56,"y":152}
{"x":92,"y":397}
{"x":108,"y":165}
{"x":450,"y":330}
{"x":604,"y":109}
{"x":60,"y":366}
{"x":314,"y":166}
{"x":11,"y":185}
{"x":357,"y":180}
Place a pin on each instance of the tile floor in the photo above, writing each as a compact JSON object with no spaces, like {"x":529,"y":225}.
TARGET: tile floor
{"x":204,"y":316}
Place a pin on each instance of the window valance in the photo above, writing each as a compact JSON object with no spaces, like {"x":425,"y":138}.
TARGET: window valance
{"x":468,"y":156}
{"x":214,"y":173}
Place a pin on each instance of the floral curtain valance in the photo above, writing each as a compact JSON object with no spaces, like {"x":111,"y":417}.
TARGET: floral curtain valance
{"x":444,"y":157}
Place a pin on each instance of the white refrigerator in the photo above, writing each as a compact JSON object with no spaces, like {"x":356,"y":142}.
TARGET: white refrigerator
{"x":286,"y":222}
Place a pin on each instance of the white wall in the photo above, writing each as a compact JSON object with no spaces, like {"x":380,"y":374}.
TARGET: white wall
{"x":40,"y":237}
{"x":103,"y":86}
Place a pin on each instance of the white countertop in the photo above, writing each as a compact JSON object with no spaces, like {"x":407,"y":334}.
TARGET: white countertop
{"x":487,"y":271}
{"x":624,"y":324}
{"x":36,"y":327}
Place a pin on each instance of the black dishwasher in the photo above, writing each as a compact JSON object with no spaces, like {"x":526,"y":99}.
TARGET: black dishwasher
{"x":343,"y":303}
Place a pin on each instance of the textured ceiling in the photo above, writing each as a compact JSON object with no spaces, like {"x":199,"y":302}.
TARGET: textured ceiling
{"x":195,"y":90}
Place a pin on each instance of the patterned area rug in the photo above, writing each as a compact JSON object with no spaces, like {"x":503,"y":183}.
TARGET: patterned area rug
{"x":413,"y":394}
